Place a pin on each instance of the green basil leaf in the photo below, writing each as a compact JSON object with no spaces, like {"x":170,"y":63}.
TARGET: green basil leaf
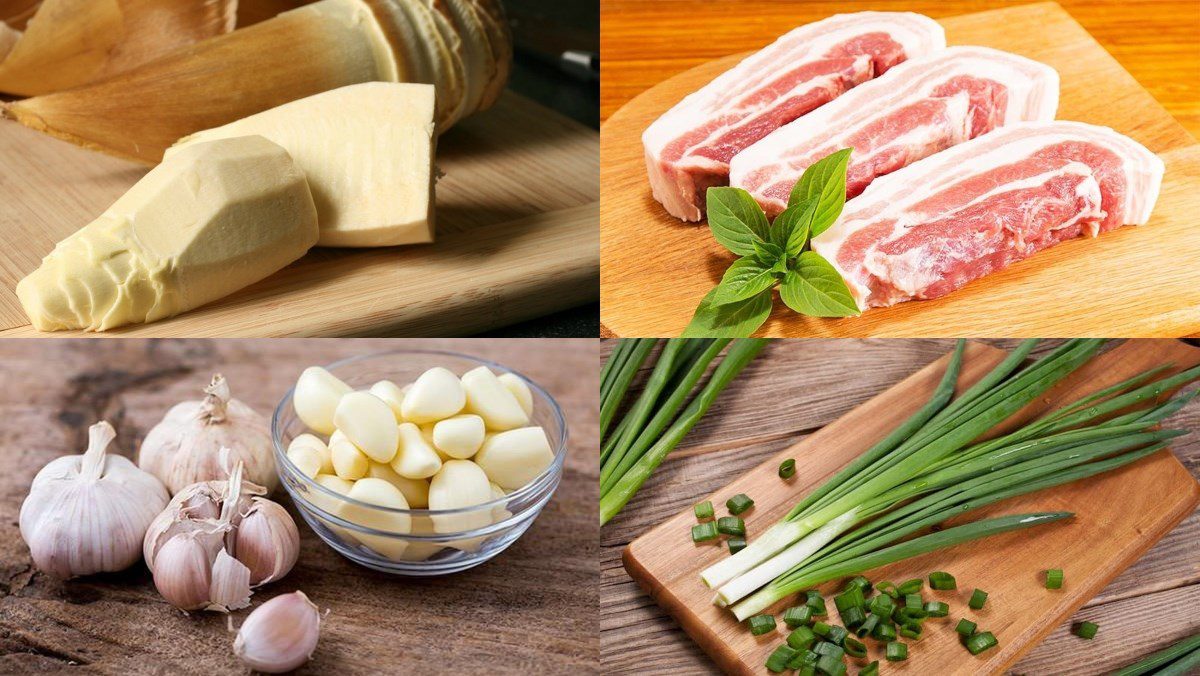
{"x":796,"y":221}
{"x":814,"y":288}
{"x":736,"y":220}
{"x":735,"y":320}
{"x":745,"y":278}
{"x":825,"y":182}
{"x":768,"y":253}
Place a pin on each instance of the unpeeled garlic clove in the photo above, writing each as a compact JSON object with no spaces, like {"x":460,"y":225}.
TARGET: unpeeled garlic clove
{"x":280,"y":635}
{"x":230,"y":588}
{"x":267,"y":542}
{"x":183,"y":572}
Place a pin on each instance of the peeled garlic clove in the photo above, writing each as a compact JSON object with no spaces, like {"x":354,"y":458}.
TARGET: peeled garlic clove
{"x":369,"y":422}
{"x":267,"y":542}
{"x":514,"y":458}
{"x":520,"y":389}
{"x":499,"y":512}
{"x":306,"y":459}
{"x":382,"y":493}
{"x":316,"y":398}
{"x":230,"y":589}
{"x":416,"y":491}
{"x":392,"y":394}
{"x":183,"y":572}
{"x":436,"y":394}
{"x":459,"y":483}
{"x":460,"y":436}
{"x":491,"y":400}
{"x":416,"y":459}
{"x":329,"y":504}
{"x":348,"y":462}
{"x":314,"y":442}
{"x":280,"y":635}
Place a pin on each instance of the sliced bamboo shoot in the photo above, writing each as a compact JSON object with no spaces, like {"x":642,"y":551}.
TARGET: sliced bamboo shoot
{"x":367,"y":151}
{"x":214,"y":218}
{"x":72,"y":42}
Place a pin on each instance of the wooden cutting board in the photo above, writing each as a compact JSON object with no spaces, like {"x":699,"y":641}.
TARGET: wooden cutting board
{"x":517,"y":237}
{"x":1119,"y":516}
{"x":1132,"y":282}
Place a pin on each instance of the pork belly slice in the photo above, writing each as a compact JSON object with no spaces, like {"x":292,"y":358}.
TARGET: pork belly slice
{"x":935,"y":225}
{"x":920,"y":107}
{"x":688,"y":149}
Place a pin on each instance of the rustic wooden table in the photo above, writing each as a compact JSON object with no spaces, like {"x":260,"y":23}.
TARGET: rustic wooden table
{"x":794,"y":388}
{"x":643,"y":43}
{"x":530,"y":610}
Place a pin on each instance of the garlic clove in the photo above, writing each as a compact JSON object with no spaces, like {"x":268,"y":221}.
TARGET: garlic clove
{"x":492,"y":401}
{"x":499,"y":512}
{"x":416,"y":491}
{"x":416,"y":459}
{"x":230,"y":588}
{"x":460,"y":436}
{"x":348,"y":462}
{"x":330,"y":504}
{"x":314,"y":442}
{"x":460,"y":483}
{"x":280,"y":635}
{"x":392,"y":394}
{"x":382,"y":493}
{"x":514,"y":458}
{"x":436,"y":394}
{"x":267,"y":542}
{"x":306,"y":459}
{"x":183,"y":572}
{"x":369,"y":423}
{"x":520,"y":389}
{"x":316,"y":398}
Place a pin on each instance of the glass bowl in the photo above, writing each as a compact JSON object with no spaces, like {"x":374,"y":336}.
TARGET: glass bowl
{"x":475,"y":534}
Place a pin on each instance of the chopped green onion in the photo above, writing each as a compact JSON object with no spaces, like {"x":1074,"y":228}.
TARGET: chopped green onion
{"x":980,"y":642}
{"x":837,"y":635}
{"x":822,"y":629}
{"x":871,"y":669}
{"x":911,"y":630}
{"x":854,"y":616}
{"x":739,"y":503}
{"x":1054,"y":578}
{"x":937,"y":609}
{"x":735,"y":544}
{"x":830,"y":665}
{"x":801,"y":638}
{"x":913,"y":601}
{"x":896,"y":652}
{"x":704,"y":532}
{"x":884,"y":632}
{"x":882,"y":606}
{"x":797,"y":616}
{"x":851,"y":598}
{"x":965,"y":627}
{"x":731,"y":525}
{"x":867,"y":626}
{"x":787,"y":469}
{"x":778,"y":660}
{"x":761,"y":624}
{"x":827,"y":648}
{"x":978,"y":598}
{"x":855,"y":648}
{"x":888,"y":588}
{"x":800,"y":658}
{"x":816,"y":602}
{"x":912,"y":586}
{"x":1086,"y":630}
{"x":905,"y":614}
{"x":704,"y":510}
{"x":942,"y":581}
{"x":861,"y":582}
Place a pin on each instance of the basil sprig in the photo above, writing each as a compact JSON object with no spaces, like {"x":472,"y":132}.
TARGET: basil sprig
{"x":775,"y":254}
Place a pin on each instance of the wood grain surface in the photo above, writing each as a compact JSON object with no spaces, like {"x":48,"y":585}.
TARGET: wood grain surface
{"x":656,"y":268}
{"x":740,"y":433}
{"x":516,"y":237}
{"x":529,"y":611}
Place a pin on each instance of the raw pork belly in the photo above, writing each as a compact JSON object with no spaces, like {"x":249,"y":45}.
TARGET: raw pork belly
{"x":920,"y":107}
{"x":955,"y":216}
{"x":688,"y":149}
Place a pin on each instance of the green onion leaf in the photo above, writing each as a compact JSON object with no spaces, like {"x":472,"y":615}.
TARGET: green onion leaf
{"x":885,"y":632}
{"x":778,"y":660}
{"x":978,"y":598}
{"x":739,"y":503}
{"x":912,"y":586}
{"x":871,"y":669}
{"x":863,"y":630}
{"x":704,"y":510}
{"x":761,"y":624}
{"x":797,"y":616}
{"x":787,"y":469}
{"x":965,"y":627}
{"x":731,"y":525}
{"x":980,"y":642}
{"x":855,"y":648}
{"x":736,"y":544}
{"x":942,"y":581}
{"x":896,"y":652}
{"x":801,"y":638}
{"x":1054,"y":578}
{"x":704,"y":532}
{"x":937,"y":609}
{"x":1086,"y":630}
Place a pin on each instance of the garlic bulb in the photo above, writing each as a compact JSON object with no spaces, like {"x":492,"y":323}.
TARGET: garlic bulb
{"x":88,"y":513}
{"x":216,"y":540}
{"x":279,"y":635}
{"x":183,"y":448}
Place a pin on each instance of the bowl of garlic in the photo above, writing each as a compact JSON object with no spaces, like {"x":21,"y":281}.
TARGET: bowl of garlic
{"x":418,"y":462}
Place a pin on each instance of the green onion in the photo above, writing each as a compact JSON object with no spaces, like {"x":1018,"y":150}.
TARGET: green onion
{"x":761,"y":624}
{"x":978,"y":598}
{"x":868,"y":625}
{"x":965,"y":627}
{"x":704,"y":510}
{"x":851,"y":598}
{"x":855,"y":648}
{"x":778,"y":660}
{"x":735,"y":544}
{"x":882,"y":606}
{"x":871,"y":669}
{"x":942,"y":581}
{"x":888,"y":588}
{"x":621,"y":374}
{"x":739,"y":503}
{"x":1086,"y":630}
{"x":822,"y":629}
{"x":854,"y":616}
{"x":937,"y":609}
{"x":801,"y":637}
{"x":830,"y":665}
{"x":911,"y":630}
{"x":861,"y":582}
{"x":787,"y":469}
{"x":1054,"y":578}
{"x":896,"y":652}
{"x":704,"y":532}
{"x":980,"y":642}
{"x":913,"y":601}
{"x":801,"y":658}
{"x":837,"y":635}
{"x":731,"y":525}
{"x":884,"y":632}
{"x":912,"y":586}
{"x":816,"y":602}
{"x":797,"y":616}
{"x":829,"y":648}
{"x":1174,"y":660}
